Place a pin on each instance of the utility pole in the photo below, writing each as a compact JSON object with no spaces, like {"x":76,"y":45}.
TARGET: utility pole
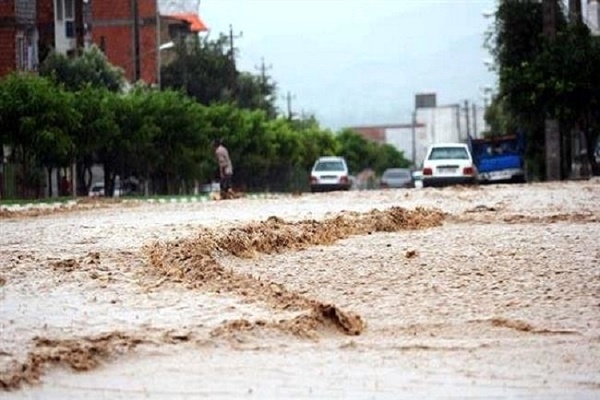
{"x":458,"y":128}
{"x":288,"y":99}
{"x":136,"y":40}
{"x":474,"y":120}
{"x":414,"y":138}
{"x":551,"y":126}
{"x":262,"y":68}
{"x":232,"y":37}
{"x":468,"y":123}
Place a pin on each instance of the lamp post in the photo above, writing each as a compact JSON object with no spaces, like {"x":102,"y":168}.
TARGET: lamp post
{"x":164,"y":46}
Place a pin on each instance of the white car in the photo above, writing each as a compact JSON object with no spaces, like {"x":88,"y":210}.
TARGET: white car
{"x":97,"y":190}
{"x":330,"y":173}
{"x":448,"y":164}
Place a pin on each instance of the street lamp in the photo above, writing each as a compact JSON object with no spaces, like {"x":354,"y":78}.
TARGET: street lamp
{"x":164,"y":46}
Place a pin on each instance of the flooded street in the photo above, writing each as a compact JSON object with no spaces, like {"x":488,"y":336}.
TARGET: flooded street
{"x":482,"y":292}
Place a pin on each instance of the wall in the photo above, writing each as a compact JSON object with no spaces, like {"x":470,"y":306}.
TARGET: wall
{"x":7,"y":37}
{"x":113,"y":27}
{"x":593,"y":16}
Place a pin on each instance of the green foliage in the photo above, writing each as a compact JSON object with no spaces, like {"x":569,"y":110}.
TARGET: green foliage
{"x":544,"y":77}
{"x":36,"y":120}
{"x":90,"y":69}
{"x":256,"y":93}
{"x":205,"y":70}
{"x":202,"y":69}
{"x":76,"y":111}
{"x":362,"y":154}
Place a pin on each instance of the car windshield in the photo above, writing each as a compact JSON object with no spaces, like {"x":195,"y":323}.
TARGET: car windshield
{"x":396,"y":175}
{"x":329,"y":166}
{"x":449,"y":153}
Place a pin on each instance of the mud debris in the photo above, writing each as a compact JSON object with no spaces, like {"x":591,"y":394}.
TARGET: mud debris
{"x":411,"y":254}
{"x":194,"y":263}
{"x":550,"y":219}
{"x":80,"y":204}
{"x":523,"y":326}
{"x":67,"y":265}
{"x":490,"y":215}
{"x":81,"y":354}
{"x":321,"y":318}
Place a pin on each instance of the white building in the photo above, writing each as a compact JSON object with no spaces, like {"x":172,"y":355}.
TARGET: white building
{"x":431,"y":124}
{"x":592,"y":17}
{"x":446,"y":124}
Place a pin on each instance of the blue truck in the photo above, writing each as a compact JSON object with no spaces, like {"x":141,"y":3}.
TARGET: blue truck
{"x":499,"y":158}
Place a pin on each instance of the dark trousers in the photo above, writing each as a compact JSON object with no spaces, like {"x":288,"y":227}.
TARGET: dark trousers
{"x":225,"y":183}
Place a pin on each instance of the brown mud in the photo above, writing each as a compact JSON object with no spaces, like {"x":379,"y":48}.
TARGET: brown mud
{"x":78,"y":354}
{"x":195,"y":263}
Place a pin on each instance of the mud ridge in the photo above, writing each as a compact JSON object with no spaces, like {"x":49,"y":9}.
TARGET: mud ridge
{"x":321,"y":318}
{"x":491,"y":215}
{"x":81,"y":204}
{"x":193,"y":262}
{"x":523,"y":326}
{"x":82,"y":354}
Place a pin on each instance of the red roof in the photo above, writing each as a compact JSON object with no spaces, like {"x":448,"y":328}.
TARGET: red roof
{"x":196,"y":24}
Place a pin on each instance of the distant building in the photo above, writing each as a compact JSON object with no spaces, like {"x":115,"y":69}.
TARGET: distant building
{"x":398,"y":135}
{"x":432,"y":124}
{"x":593,"y":16}
{"x":18,"y":35}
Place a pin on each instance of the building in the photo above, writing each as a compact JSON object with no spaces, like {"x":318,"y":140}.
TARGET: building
{"x":18,"y":35}
{"x":432,"y":124}
{"x":593,"y":16}
{"x":398,"y":135}
{"x":130,"y":32}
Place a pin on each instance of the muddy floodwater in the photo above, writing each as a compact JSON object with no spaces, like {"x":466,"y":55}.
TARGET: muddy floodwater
{"x":460,"y":292}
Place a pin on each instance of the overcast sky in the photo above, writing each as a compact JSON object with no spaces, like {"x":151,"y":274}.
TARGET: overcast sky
{"x":360,"y":62}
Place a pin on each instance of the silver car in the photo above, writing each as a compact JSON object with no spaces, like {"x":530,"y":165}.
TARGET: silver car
{"x":396,"y":178}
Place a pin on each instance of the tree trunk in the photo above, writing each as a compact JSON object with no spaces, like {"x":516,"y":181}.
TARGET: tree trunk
{"x":50,"y":191}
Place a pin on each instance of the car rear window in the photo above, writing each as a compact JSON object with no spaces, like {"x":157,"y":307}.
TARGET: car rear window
{"x":329,"y":166}
{"x":449,"y":153}
{"x":396,"y":174}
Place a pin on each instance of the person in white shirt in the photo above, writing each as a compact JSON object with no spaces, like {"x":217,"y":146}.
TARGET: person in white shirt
{"x":225,"y":168}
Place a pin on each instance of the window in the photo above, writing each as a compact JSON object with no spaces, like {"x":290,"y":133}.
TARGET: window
{"x":329,"y":166}
{"x":59,"y":10}
{"x":449,"y":153}
{"x":21,"y":53}
{"x":69,"y":9}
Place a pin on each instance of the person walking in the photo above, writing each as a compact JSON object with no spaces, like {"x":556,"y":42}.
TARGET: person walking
{"x":225,"y":168}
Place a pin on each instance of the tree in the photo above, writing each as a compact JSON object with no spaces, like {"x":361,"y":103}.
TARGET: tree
{"x":36,"y":119}
{"x":90,"y":69}
{"x":256,"y":92}
{"x":202,"y":69}
{"x":543,"y":76}
{"x":361,"y":153}
{"x":97,"y":107}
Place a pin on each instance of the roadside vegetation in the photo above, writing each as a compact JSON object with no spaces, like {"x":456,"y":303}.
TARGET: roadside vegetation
{"x":546,"y":71}
{"x":80,"y":111}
